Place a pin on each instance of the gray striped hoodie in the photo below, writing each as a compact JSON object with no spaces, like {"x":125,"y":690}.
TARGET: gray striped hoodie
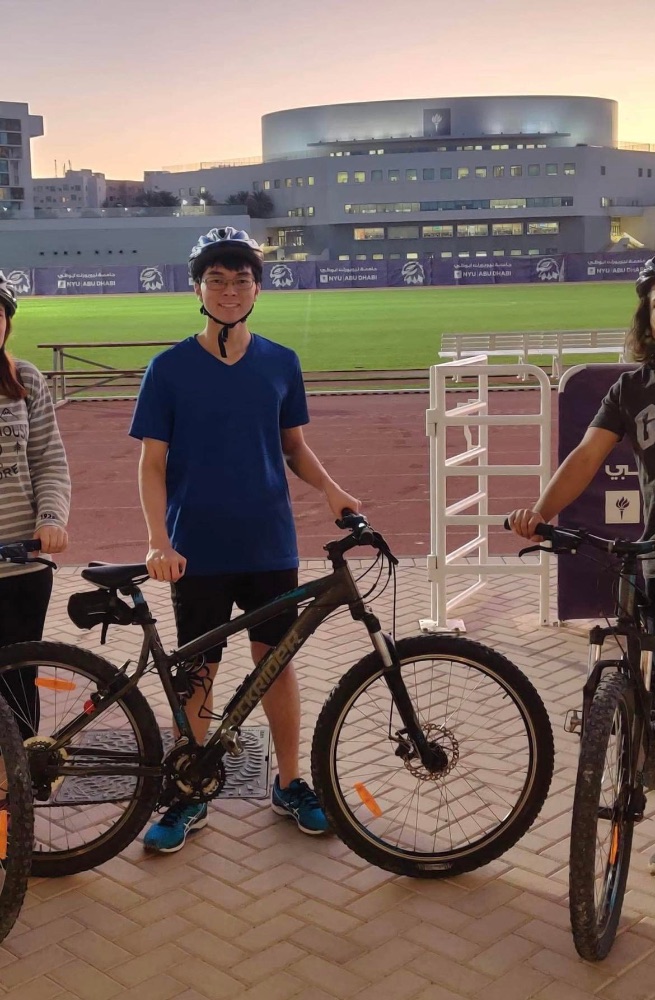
{"x":34,"y":479}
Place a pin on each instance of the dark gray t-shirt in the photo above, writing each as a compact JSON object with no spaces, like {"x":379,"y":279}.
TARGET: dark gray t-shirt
{"x":629,"y":409}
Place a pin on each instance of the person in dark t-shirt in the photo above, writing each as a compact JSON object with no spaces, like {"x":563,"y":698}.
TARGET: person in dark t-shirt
{"x":219,"y":415}
{"x":628,"y":410}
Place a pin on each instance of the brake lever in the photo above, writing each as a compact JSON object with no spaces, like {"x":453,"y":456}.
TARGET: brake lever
{"x":535,"y":548}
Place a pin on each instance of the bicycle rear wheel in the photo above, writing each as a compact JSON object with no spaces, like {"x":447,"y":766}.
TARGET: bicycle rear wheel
{"x":16,"y":821}
{"x":602,"y":822}
{"x":488,"y":727}
{"x":82,"y":819}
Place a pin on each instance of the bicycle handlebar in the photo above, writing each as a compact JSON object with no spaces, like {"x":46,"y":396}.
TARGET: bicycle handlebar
{"x":361,"y":533}
{"x":17,"y":552}
{"x":570,"y":539}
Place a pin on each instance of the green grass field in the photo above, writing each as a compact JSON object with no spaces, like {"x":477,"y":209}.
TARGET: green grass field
{"x":330,"y":330}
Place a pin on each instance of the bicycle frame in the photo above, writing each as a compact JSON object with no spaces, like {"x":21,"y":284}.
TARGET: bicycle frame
{"x":326,"y":594}
{"x":636,"y":664}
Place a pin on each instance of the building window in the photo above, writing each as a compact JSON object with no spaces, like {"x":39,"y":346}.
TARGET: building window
{"x":516,"y":253}
{"x":360,"y":256}
{"x":569,"y":169}
{"x":395,"y":256}
{"x":480,"y":253}
{"x":393,"y":175}
{"x":267,"y":185}
{"x":499,"y":171}
{"x":446,"y":173}
{"x":516,"y":171}
{"x":342,"y":177}
{"x":377,"y":256}
{"x":543,"y":228}
{"x":446,"y":254}
{"x":602,"y":171}
{"x":276,"y":184}
{"x":507,"y":229}
{"x":359,"y":177}
{"x":640,"y":172}
{"x":310,"y":210}
{"x":344,"y":256}
{"x":649,"y":172}
{"x":310,"y":181}
{"x":464,"y":255}
{"x":428,"y":173}
{"x":462,"y":173}
{"x":377,"y":175}
{"x":615,"y":229}
{"x":402,"y":233}
{"x":411,"y":174}
{"x":411,"y":256}
{"x":508,"y":203}
{"x":288,"y":182}
{"x":300,"y":181}
{"x":369,"y":233}
{"x":481,"y":172}
{"x":498,"y":253}
{"x":437,"y":232}
{"x":551,"y":169}
{"x":604,"y":203}
{"x":472,"y":229}
{"x":533,"y":169}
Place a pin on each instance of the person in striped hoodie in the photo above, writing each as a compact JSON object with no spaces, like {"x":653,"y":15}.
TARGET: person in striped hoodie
{"x":34,"y":499}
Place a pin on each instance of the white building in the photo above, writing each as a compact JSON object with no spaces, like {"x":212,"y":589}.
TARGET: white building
{"x":77,"y":189}
{"x":448,"y":177}
{"x":17,"y":128}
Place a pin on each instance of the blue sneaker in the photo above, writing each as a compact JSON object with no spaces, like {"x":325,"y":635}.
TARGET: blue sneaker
{"x":170,"y":833}
{"x":299,"y":801}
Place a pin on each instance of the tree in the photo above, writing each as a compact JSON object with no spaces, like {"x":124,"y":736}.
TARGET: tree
{"x":203,"y":199}
{"x":259,"y":203}
{"x":157,"y":199}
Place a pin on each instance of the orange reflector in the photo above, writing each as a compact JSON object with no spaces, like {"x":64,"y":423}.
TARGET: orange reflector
{"x":54,"y":684}
{"x":614,"y":849}
{"x":3,"y":833}
{"x":367,"y":799}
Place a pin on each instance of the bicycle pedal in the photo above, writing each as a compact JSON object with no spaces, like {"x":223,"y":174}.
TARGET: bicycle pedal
{"x":573,"y":721}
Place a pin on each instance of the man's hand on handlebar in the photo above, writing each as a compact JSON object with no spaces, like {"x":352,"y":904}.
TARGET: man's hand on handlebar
{"x":524,"y":523}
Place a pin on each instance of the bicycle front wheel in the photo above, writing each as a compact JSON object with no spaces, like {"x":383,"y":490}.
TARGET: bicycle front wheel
{"x":602,"y":820}
{"x":488,"y":728}
{"x":16,"y":821}
{"x":90,"y":802}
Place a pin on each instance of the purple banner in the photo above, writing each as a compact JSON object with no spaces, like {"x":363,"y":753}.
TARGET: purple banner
{"x":605,"y":266}
{"x":509,"y":270}
{"x":285,"y":277}
{"x":611,"y":504}
{"x":22,"y":278}
{"x":343,"y":274}
{"x":178,"y":278}
{"x":155,"y":278}
{"x":409,"y":273}
{"x":86,"y":280}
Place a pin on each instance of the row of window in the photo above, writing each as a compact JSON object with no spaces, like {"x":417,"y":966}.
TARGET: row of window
{"x":287,"y":182}
{"x":430,"y":148}
{"x":448,"y":231}
{"x":10,"y":125}
{"x":11,"y":152}
{"x":10,"y":138}
{"x":57,"y":187}
{"x":11,"y":194}
{"x":458,"y":206}
{"x":307,"y":210}
{"x":67,"y":253}
{"x":464,"y":255}
{"x":447,"y":173}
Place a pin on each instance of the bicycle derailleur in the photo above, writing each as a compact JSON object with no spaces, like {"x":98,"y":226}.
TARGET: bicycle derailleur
{"x":183,"y":777}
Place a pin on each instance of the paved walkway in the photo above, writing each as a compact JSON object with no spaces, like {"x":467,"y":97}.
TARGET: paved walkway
{"x":253,"y":909}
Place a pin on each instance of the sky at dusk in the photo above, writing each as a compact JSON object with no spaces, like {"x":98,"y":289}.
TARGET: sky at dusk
{"x":130,"y":85}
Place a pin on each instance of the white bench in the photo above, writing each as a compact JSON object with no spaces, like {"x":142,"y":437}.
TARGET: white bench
{"x":528,"y":344}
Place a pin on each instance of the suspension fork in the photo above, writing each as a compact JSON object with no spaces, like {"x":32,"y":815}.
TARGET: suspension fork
{"x":385,"y":647}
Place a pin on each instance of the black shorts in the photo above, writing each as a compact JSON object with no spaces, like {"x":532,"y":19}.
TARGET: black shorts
{"x":201,"y":603}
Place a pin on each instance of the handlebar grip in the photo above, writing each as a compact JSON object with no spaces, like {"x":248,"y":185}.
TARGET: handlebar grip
{"x":506,"y":524}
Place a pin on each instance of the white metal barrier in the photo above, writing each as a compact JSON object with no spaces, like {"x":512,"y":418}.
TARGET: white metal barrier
{"x":474,"y":462}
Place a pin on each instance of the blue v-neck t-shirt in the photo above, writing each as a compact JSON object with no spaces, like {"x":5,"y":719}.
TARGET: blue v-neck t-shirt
{"x":228,"y":506}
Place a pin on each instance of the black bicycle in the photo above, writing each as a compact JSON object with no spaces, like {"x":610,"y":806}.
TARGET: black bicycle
{"x":432,"y":755}
{"x":616,"y":763}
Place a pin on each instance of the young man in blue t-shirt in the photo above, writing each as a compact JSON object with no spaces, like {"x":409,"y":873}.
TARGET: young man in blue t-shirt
{"x":218,"y":415}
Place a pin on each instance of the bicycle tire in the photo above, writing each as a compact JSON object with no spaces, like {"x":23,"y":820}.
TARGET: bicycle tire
{"x":18,"y":825}
{"x":594,"y":920}
{"x":498,"y":689}
{"x":61,"y":848}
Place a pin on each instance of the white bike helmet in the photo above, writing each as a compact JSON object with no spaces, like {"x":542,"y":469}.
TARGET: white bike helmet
{"x":646,"y":279}
{"x":8,"y":297}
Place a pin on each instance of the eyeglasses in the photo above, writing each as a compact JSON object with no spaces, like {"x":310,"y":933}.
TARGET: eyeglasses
{"x":241,"y":284}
